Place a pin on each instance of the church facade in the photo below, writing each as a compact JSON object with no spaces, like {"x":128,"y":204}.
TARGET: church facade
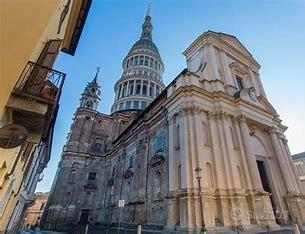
{"x":207,"y":151}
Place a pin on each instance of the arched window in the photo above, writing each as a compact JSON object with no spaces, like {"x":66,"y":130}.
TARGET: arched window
{"x":130,"y":89}
{"x":138,"y":90}
{"x":89,"y":104}
{"x":144,"y":91}
{"x":151,"y":90}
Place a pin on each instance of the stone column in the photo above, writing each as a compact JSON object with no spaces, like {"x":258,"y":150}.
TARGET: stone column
{"x":250,"y":156}
{"x":281,"y":161}
{"x":290,"y":162}
{"x":187,"y":172}
{"x":229,"y":149}
{"x":213,"y":62}
{"x":216,"y":151}
{"x":228,"y":74}
{"x":172,"y":160}
{"x":141,"y":88}
{"x":185,"y":149}
{"x":134,"y":87}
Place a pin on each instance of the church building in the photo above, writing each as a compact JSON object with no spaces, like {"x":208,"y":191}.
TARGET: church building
{"x":208,"y":151}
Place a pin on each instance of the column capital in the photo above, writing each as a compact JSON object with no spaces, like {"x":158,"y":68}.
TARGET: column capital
{"x":172,"y":119}
{"x":241,"y":118}
{"x":272,"y":130}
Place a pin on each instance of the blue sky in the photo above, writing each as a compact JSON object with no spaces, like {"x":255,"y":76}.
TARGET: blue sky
{"x":273,"y":31}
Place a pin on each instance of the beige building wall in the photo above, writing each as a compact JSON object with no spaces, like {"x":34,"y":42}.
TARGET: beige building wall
{"x":25,"y":28}
{"x":34,"y":212}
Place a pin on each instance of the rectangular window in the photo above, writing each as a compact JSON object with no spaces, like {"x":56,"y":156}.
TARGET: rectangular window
{"x":130,"y":164}
{"x":159,"y":144}
{"x":157,"y":91}
{"x":136,"y":104}
{"x":143,"y":105}
{"x":91,"y":176}
{"x":141,"y":60}
{"x":97,"y":147}
{"x":131,"y":89}
{"x":121,"y":106}
{"x":240,"y":84}
{"x":128,"y":105}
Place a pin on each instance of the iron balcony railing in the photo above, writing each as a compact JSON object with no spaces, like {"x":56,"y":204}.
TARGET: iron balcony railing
{"x":40,"y":82}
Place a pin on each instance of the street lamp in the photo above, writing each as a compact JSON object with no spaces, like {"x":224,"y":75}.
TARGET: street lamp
{"x":198,"y":173}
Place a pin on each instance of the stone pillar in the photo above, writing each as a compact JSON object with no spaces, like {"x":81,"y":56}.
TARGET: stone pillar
{"x":172,"y":157}
{"x":141,"y":88}
{"x":250,"y":156}
{"x":187,"y":213}
{"x":186,"y":161}
{"x":228,"y":74}
{"x":229,"y":148}
{"x":221,"y":179}
{"x":213,"y":62}
{"x":290,"y":162}
{"x":134,"y":87}
{"x":281,"y":161}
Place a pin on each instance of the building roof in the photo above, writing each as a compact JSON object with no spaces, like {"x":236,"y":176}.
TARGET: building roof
{"x":298,"y":156}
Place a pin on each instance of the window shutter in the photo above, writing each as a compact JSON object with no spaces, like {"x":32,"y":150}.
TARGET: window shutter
{"x":39,"y":75}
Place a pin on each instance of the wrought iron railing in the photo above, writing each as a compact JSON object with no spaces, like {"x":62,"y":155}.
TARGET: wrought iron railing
{"x":40,"y":82}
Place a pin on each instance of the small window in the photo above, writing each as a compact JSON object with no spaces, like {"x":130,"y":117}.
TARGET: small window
{"x":130,"y":164}
{"x":141,"y":60}
{"x":128,"y":104}
{"x":131,"y":89}
{"x":138,"y":90}
{"x":92,"y":176}
{"x":143,"y":105}
{"x":157,"y":91}
{"x":144,"y":91}
{"x":97,"y":147}
{"x":240,"y":84}
{"x":121,"y":106}
{"x":136,"y":104}
{"x":113,"y":172}
{"x":159,"y":144}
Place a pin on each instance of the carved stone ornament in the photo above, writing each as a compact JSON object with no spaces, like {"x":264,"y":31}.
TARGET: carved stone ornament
{"x":156,"y":160}
{"x":128,"y":173}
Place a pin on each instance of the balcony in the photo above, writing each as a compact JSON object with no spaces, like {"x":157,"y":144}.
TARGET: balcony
{"x":34,"y":100}
{"x":39,"y":82}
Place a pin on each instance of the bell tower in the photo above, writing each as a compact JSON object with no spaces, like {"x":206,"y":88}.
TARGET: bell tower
{"x":91,"y":95}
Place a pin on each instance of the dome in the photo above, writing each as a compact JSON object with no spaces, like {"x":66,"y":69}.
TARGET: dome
{"x":145,"y":44}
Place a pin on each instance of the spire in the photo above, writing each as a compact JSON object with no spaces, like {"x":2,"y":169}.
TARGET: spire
{"x":94,"y":81}
{"x":148,"y":13}
{"x":91,"y":95}
{"x":147,"y":26}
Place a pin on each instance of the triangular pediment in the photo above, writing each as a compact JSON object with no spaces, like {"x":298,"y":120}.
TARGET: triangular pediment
{"x":266,"y":105}
{"x":233,"y":41}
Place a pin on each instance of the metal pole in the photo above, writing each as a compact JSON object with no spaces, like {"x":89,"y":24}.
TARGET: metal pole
{"x":203,"y":229}
{"x":119,"y":220}
{"x":198,"y":170}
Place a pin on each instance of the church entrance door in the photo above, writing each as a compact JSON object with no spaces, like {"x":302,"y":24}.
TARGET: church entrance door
{"x":265,"y":183}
